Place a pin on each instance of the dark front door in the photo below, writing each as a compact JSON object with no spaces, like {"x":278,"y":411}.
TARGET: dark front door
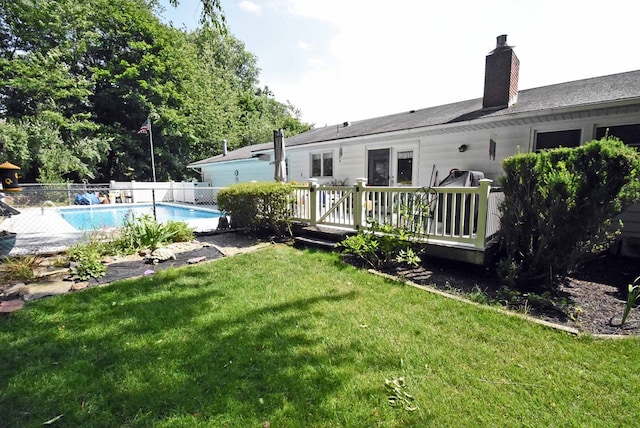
{"x":378,"y":174}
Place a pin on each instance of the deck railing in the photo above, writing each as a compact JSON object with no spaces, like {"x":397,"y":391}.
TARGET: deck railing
{"x":463,"y":216}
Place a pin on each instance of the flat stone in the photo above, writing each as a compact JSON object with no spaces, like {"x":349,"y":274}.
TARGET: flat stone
{"x":19,"y":289}
{"x":9,"y":306}
{"x":51,"y":271}
{"x":77,"y":286}
{"x":54,"y":288}
{"x":196,"y":260}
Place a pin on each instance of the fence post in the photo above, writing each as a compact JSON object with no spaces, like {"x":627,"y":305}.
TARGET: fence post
{"x":313,"y":201}
{"x":129,"y":195}
{"x":483,"y":207}
{"x":359,"y":201}
{"x":111,"y":192}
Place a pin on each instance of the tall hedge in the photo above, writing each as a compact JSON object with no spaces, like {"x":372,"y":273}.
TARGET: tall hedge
{"x":258,"y":207}
{"x":559,"y":205}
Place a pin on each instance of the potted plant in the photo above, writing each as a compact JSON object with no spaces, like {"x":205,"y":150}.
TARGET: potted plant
{"x":7,"y":239}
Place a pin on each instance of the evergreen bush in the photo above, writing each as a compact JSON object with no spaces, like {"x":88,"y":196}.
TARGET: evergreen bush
{"x":258,"y":207}
{"x":559,"y":205}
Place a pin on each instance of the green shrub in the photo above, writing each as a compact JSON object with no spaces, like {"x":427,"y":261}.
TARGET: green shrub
{"x":139,"y":233}
{"x":87,"y":258}
{"x":559,"y":205}
{"x":364,"y":246}
{"x":180,"y":231}
{"x":258,"y":207}
{"x":382,"y":245}
{"x":145,"y":232}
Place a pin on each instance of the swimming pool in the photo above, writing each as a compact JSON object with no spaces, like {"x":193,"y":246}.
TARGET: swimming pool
{"x":97,"y":217}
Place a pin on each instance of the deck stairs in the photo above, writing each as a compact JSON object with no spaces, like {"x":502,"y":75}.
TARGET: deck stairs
{"x":327,"y":238}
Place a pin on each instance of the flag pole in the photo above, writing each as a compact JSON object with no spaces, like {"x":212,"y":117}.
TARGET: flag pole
{"x":146,"y":127}
{"x":153,"y":170}
{"x":153,"y":162}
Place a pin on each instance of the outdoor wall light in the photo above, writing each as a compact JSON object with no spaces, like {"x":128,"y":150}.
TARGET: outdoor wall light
{"x":462,"y":148}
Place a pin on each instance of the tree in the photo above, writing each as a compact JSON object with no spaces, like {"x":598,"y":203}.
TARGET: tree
{"x":42,"y":95}
{"x":88,"y":82}
{"x":14,"y":144}
{"x":211,"y":12}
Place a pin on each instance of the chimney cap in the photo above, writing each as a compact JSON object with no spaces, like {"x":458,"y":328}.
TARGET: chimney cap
{"x":501,"y":44}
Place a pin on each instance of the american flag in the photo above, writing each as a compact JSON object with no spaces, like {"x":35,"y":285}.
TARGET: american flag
{"x":146,"y":126}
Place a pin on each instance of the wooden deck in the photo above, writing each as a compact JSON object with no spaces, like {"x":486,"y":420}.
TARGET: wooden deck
{"x":457,"y":223}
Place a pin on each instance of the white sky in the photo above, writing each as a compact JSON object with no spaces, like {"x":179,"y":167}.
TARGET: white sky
{"x":346,"y":60}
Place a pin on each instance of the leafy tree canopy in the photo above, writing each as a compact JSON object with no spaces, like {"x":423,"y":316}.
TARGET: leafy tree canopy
{"x":211,"y":12}
{"x":77,"y":79}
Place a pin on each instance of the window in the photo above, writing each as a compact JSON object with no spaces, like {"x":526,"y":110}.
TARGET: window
{"x":405,"y":168}
{"x":492,"y":149}
{"x":629,"y":134}
{"x":322,"y":164}
{"x":555,"y":139}
{"x":316,"y":165}
{"x":327,"y":164}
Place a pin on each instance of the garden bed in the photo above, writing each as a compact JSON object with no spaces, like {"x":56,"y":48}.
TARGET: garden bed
{"x":591,"y":300}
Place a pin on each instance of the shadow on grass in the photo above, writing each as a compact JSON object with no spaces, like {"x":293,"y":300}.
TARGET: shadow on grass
{"x":160,"y":348}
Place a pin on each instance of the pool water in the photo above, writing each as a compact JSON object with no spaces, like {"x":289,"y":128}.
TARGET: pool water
{"x":97,"y":217}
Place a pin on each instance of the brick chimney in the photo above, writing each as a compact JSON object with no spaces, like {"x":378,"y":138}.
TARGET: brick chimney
{"x":502,"y":67}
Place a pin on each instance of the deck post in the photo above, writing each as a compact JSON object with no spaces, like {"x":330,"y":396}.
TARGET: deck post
{"x":313,"y":201}
{"x":358,"y":202}
{"x":483,"y":207}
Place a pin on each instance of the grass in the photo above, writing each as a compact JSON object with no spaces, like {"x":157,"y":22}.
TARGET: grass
{"x":301,"y":340}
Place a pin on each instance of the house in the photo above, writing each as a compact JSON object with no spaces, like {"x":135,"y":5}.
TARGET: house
{"x":250,"y":163}
{"x":419,"y":147}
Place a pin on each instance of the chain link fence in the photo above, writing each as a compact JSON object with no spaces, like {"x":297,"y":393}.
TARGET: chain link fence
{"x":44,"y":224}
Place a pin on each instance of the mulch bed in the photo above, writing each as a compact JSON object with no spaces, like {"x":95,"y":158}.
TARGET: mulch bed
{"x":136,"y":268}
{"x":592,"y":300}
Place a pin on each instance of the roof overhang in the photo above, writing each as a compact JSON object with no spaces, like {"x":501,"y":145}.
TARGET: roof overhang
{"x":629,"y":106}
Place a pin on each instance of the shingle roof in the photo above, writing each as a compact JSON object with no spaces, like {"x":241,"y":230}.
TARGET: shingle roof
{"x":239,"y":154}
{"x":579,"y":93}
{"x":575,"y":94}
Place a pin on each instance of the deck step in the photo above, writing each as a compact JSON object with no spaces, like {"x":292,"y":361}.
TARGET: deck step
{"x":302,"y":241}
{"x":326,"y":238}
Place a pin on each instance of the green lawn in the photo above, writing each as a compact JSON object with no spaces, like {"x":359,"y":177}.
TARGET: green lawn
{"x":301,"y":340}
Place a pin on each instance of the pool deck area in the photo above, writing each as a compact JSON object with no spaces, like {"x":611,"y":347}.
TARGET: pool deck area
{"x":44,"y":231}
